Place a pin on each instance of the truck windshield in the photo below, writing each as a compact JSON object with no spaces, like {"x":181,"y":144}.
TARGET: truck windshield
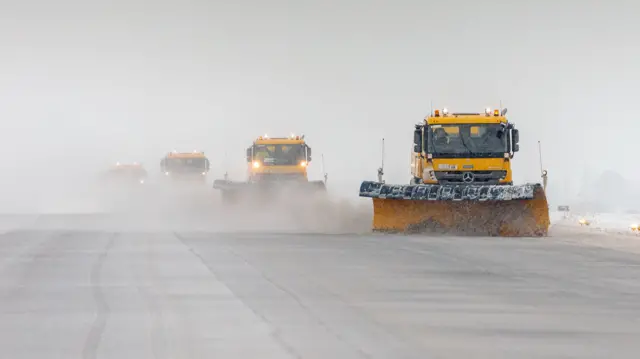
{"x":186,"y":164}
{"x":279,"y":155}
{"x":467,"y":140}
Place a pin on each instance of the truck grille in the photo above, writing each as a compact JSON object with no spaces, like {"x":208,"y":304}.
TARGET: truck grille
{"x":470,"y":177}
{"x":278,"y":177}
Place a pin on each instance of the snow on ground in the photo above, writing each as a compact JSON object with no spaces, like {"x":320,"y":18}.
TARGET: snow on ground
{"x":602,"y":222}
{"x":604,"y":230}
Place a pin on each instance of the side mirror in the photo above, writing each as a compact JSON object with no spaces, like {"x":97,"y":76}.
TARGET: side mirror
{"x":417,"y":140}
{"x":516,"y":140}
{"x":249,"y":155}
{"x":309,"y":154}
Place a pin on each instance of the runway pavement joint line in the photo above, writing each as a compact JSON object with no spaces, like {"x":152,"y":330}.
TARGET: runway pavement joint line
{"x":92,"y":343}
{"x":157,"y":334}
{"x":275,"y":334}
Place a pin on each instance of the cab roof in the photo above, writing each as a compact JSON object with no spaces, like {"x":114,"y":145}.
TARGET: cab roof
{"x":127,"y":168}
{"x":464,"y":119}
{"x":278,"y":141}
{"x":290,"y":140}
{"x":444,"y":117}
{"x":194,"y":154}
{"x":127,"y":165}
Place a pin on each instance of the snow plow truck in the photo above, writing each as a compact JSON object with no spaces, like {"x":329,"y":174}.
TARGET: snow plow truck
{"x":275,"y":165}
{"x":185,"y":166}
{"x":461,"y":182}
{"x":126,"y":174}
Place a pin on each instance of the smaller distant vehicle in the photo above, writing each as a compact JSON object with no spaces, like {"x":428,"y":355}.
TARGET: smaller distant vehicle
{"x":273,"y":164}
{"x":127,"y":173}
{"x":189,"y":166}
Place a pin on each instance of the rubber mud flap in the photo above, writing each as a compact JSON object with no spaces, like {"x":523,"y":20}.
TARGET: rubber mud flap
{"x":508,"y":211}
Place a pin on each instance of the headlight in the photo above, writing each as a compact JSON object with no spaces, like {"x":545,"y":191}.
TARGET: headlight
{"x":204,"y":173}
{"x":428,"y":173}
{"x":303,"y":163}
{"x":634,"y":227}
{"x":584,"y":222}
{"x":256,"y":164}
{"x":166,"y":173}
{"x":141,"y":181}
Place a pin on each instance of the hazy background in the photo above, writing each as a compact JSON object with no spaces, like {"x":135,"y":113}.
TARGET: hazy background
{"x":85,"y":83}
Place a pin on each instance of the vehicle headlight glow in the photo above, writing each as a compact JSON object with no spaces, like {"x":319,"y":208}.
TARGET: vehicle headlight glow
{"x":634,"y":227}
{"x":256,"y":164}
{"x":428,"y":173}
{"x":142,"y":181}
{"x":166,"y":173}
{"x":204,"y":173}
{"x":303,"y":163}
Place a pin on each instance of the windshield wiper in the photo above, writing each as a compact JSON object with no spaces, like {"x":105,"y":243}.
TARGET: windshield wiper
{"x":465,"y":144}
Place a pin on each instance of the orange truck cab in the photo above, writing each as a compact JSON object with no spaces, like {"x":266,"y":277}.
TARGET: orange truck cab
{"x":284,"y":158}
{"x":185,"y":165}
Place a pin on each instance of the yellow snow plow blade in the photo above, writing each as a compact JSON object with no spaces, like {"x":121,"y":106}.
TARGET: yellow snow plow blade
{"x":507,"y":211}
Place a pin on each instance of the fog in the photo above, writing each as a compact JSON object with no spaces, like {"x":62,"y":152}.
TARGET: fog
{"x":84,"y":84}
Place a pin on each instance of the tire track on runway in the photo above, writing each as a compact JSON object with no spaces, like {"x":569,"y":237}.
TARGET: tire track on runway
{"x":149,"y":291}
{"x":90,"y":349}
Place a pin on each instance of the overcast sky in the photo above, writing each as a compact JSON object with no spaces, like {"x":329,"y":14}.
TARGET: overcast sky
{"x":89,"y":83}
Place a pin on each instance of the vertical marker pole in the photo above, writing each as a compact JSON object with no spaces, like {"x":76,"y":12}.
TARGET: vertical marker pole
{"x":381,"y":169}
{"x":543,"y":172}
{"x":324,"y":173}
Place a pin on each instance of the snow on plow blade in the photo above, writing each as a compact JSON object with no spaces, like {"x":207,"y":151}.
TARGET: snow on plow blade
{"x":508,"y":211}
{"x":225,"y":185}
{"x":267,"y":190}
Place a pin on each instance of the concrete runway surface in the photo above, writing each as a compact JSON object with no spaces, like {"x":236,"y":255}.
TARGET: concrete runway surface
{"x":106,"y":293}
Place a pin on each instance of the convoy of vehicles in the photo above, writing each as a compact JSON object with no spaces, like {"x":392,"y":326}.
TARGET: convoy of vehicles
{"x":461,"y":178}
